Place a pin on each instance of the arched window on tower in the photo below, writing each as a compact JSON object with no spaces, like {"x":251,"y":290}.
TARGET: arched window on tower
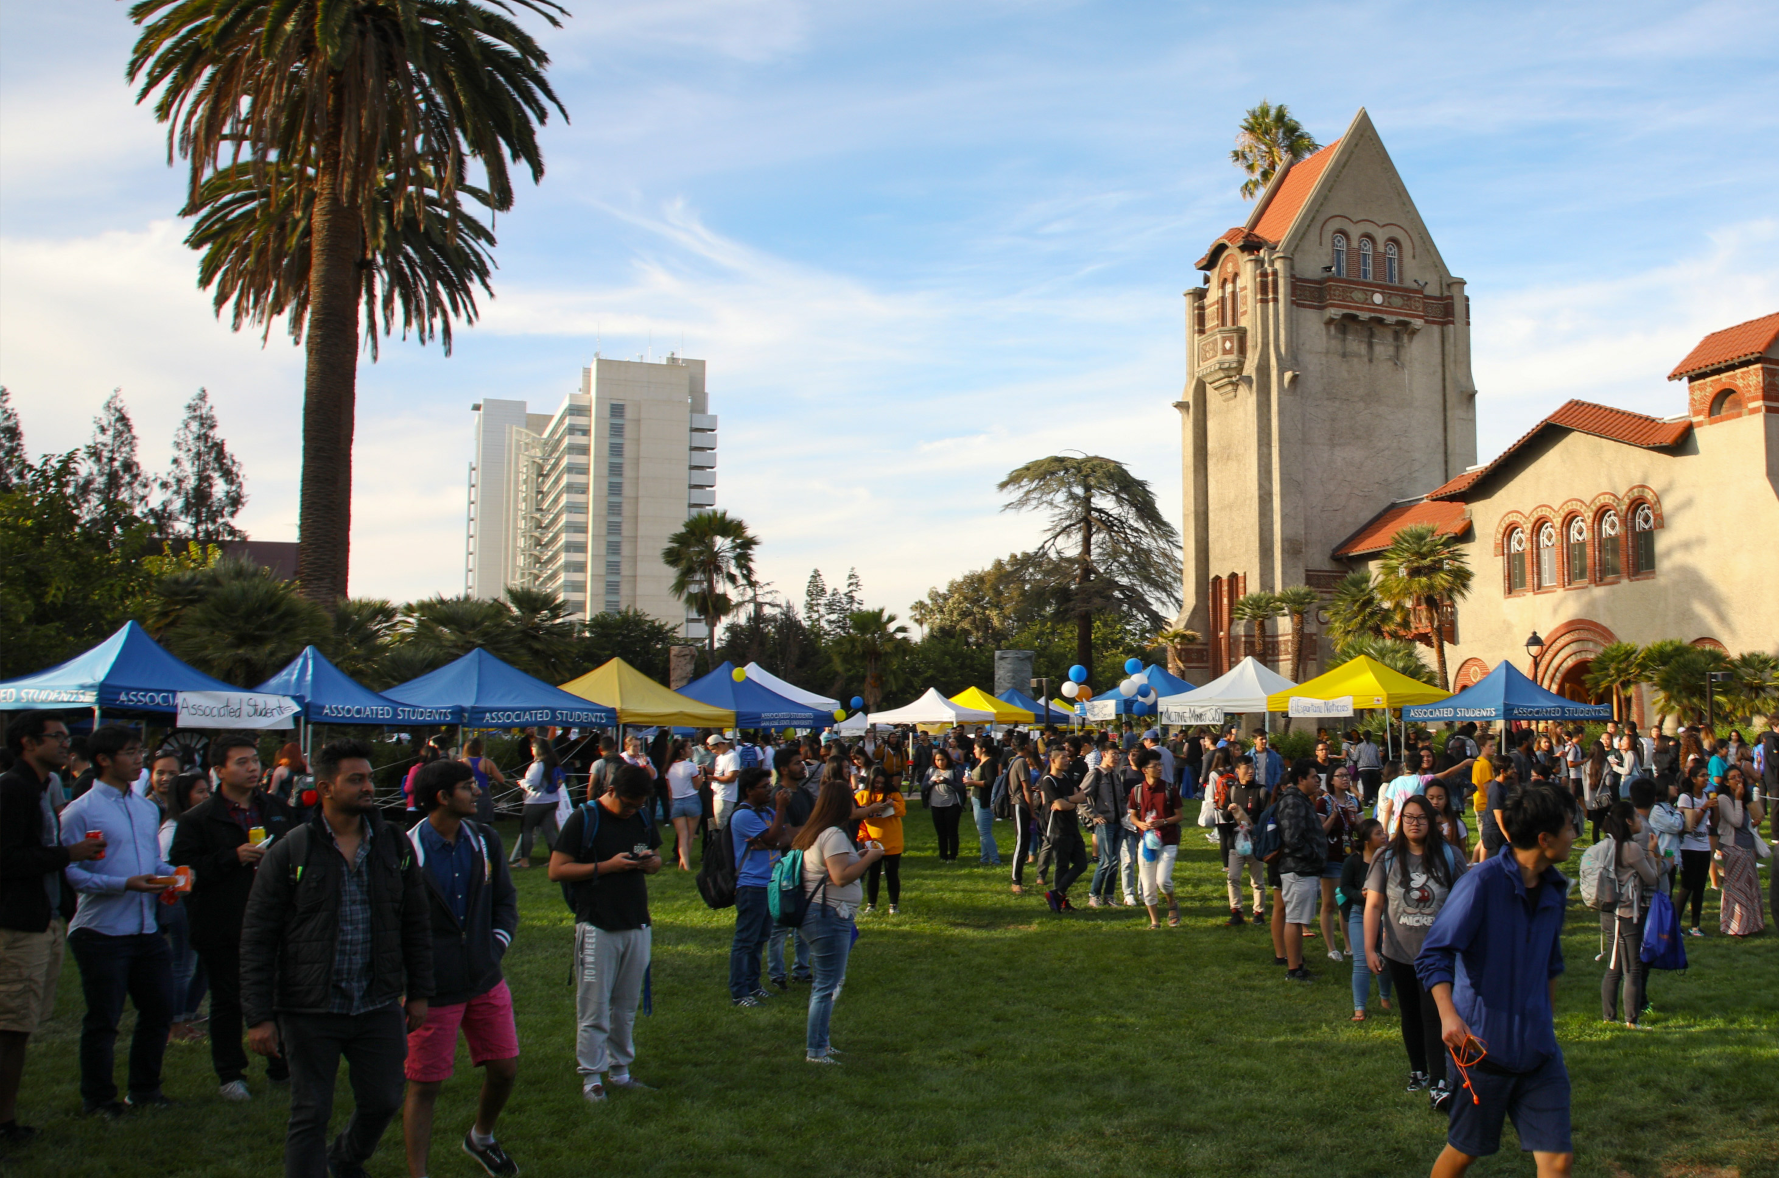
{"x":1516,"y":561}
{"x":1392,"y":264}
{"x":1578,"y":550}
{"x":1642,"y":539}
{"x":1609,"y":563}
{"x":1727,"y":401}
{"x":1547,"y":556}
{"x":1365,"y":259}
{"x":1340,"y":255}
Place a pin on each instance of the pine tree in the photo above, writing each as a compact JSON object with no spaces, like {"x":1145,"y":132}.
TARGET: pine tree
{"x":13,"y":464}
{"x":203,"y":490}
{"x":840,"y":605}
{"x":113,"y":487}
{"x":815,"y":598}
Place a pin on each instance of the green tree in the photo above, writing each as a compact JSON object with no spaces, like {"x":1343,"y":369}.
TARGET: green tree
{"x":1615,"y":672}
{"x":442,"y":628}
{"x":364,"y":632}
{"x":15,"y":464}
{"x":114,"y":488}
{"x":1423,"y":570}
{"x":1754,"y":690}
{"x":1683,"y":685}
{"x":1297,"y":601}
{"x":871,"y":645}
{"x":351,"y":106}
{"x":1655,"y":656}
{"x":544,"y":640}
{"x":1268,"y":139}
{"x":203,"y":490}
{"x":631,"y":635}
{"x":1356,"y":611}
{"x":711,"y":555}
{"x":1174,"y":642}
{"x":243,"y":624}
{"x":1107,"y":541}
{"x":1397,"y":654}
{"x":1258,"y":608}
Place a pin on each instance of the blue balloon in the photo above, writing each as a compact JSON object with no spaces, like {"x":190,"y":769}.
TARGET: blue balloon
{"x":858,"y":702}
{"x":1132,"y":666}
{"x":1078,"y":673}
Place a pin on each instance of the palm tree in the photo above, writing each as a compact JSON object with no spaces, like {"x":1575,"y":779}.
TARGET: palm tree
{"x":1684,"y":685}
{"x":872,"y":639}
{"x":1395,"y":653}
{"x":1616,"y":670}
{"x":348,"y":108}
{"x":1259,"y":608}
{"x":1356,"y":611}
{"x":711,"y":554}
{"x":1297,"y":601}
{"x":1174,"y":642}
{"x":1656,"y":656}
{"x":1269,"y":139}
{"x":245,"y":628}
{"x":1424,"y":569}
{"x":364,"y":629}
{"x":1755,"y":689}
{"x":444,"y":628}
{"x":1105,"y":535}
{"x":545,"y":638}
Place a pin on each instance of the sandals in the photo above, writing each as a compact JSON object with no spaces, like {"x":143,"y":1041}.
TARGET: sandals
{"x":1358,"y":1016}
{"x":1173,"y":917}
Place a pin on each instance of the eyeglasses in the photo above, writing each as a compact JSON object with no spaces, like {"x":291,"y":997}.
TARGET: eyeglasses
{"x":1408,"y":818}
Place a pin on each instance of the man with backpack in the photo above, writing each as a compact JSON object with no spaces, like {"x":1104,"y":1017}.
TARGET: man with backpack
{"x":475,"y":911}
{"x":603,"y":855}
{"x":336,"y":939}
{"x":1303,"y":850}
{"x":756,"y":835}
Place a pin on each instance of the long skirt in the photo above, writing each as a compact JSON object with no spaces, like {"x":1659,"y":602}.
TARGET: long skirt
{"x":1742,"y":913}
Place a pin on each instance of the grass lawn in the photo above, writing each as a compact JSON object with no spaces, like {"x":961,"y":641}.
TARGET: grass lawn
{"x":985,"y":1035}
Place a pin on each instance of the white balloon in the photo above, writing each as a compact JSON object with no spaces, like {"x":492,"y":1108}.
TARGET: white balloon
{"x":1127,"y":688}
{"x":1070,"y":688}
{"x":1147,"y":695}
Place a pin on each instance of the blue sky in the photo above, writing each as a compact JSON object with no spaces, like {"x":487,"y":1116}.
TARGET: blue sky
{"x":920,"y":243}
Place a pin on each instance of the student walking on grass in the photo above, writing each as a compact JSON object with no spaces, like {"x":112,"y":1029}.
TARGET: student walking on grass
{"x":1490,"y":963}
{"x":475,"y":911}
{"x":1368,"y":841}
{"x":608,"y":869}
{"x":832,"y":868}
{"x":1303,"y":851}
{"x":1059,"y":796}
{"x":1154,"y":806}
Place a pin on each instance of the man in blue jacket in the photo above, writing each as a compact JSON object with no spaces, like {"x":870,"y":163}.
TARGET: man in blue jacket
{"x":475,"y":911}
{"x":1491,"y":962}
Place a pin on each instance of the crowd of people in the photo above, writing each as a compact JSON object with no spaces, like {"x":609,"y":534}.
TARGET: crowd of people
{"x":317,"y":929}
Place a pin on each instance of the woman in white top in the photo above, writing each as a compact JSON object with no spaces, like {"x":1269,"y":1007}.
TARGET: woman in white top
{"x":832,"y":868}
{"x":685,"y":806}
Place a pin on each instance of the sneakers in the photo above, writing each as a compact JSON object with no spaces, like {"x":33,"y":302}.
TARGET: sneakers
{"x":1694,"y":932}
{"x":1300,"y":974}
{"x":1417,"y":1082}
{"x":627,"y":1081}
{"x":1063,"y":902}
{"x":1051,"y":899}
{"x":1093,"y":901}
{"x":235,"y":1092}
{"x":826,"y":1060}
{"x":1280,"y":961}
{"x":1130,"y":902}
{"x":1440,"y":1095}
{"x":493,"y":1158}
{"x":1235,"y":918}
{"x":867,"y":910}
{"x":781,"y":983}
{"x":155,"y":1099}
{"x":894,"y":909}
{"x":15,"y":1134}
{"x":593,"y":1093}
{"x":750,"y":1000}
{"x":760,"y":995}
{"x":1336,"y":955}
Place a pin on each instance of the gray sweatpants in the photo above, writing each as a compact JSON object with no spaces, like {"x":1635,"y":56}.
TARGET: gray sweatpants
{"x":609,"y":967}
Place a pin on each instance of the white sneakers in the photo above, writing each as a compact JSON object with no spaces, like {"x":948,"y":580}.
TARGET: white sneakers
{"x":593,"y":1093}
{"x":1336,"y":955}
{"x":235,"y":1092}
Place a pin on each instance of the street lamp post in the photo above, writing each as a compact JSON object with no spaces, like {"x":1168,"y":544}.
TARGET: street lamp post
{"x":1534,"y":648}
{"x":1043,"y":686}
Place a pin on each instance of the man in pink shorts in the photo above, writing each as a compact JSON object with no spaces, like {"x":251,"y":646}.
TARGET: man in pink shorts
{"x":474,"y":913}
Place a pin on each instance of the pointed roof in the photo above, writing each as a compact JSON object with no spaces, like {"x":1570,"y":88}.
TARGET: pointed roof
{"x":1054,"y":714}
{"x":1286,"y":196}
{"x":753,"y":704}
{"x":1506,"y":694}
{"x":128,"y":670}
{"x":933,"y":708}
{"x":1731,"y":347}
{"x":482,"y":691}
{"x":1585,"y":417}
{"x":1003,"y":711}
{"x":327,"y":693}
{"x":790,"y":691}
{"x":1242,"y":688}
{"x":640,"y":700}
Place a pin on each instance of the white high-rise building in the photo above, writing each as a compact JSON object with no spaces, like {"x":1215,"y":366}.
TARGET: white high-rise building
{"x":581,"y":502}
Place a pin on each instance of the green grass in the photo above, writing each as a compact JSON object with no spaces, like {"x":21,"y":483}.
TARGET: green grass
{"x":986,"y":1036}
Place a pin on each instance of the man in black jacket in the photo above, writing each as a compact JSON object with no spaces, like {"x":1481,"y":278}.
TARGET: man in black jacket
{"x":35,"y":902}
{"x":475,"y":911}
{"x":213,"y":839}
{"x":337,"y":932}
{"x":1303,"y":849}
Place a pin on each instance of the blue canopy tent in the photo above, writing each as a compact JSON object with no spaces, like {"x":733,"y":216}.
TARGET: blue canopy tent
{"x":754,"y":705}
{"x":1506,"y":694}
{"x":1041,"y":713}
{"x":481,"y":691}
{"x":328,"y":695}
{"x":129,"y":671}
{"x":1158,"y":678}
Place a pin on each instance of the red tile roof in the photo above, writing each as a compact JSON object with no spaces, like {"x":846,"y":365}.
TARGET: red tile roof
{"x":1275,"y":216}
{"x":1237,"y":236}
{"x":1451,"y":518}
{"x":1732,"y":345}
{"x":1602,"y":421}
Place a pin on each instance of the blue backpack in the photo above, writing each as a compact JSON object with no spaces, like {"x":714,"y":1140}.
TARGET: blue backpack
{"x":1265,"y":837}
{"x":1663,"y":946}
{"x":750,"y":756}
{"x":786,"y":898}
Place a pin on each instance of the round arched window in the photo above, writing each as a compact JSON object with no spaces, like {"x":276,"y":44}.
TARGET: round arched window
{"x":1727,"y":401}
{"x":1516,"y":561}
{"x":1365,"y":259}
{"x":1340,"y":255}
{"x":1578,"y":551}
{"x":1610,"y":565}
{"x":1547,"y":556}
{"x":1643,"y":539}
{"x":1392,"y":264}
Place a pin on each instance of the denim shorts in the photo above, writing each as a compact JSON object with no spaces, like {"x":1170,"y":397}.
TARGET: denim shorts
{"x":1536,"y":1101}
{"x":690,"y":806}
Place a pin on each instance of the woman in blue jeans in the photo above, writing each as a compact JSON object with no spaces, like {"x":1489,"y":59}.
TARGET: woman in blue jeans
{"x":832,"y":868}
{"x":1368,"y":836}
{"x":982,"y":782}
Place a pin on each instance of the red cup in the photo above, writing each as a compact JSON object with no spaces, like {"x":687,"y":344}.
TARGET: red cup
{"x":97,"y":834}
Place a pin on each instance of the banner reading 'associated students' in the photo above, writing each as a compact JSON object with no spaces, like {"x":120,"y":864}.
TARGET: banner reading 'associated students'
{"x":235,"y":709}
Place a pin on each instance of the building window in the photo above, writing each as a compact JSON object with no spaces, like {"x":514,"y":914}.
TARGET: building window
{"x":616,"y":429}
{"x":1340,"y":255}
{"x":615,"y":449}
{"x":615,"y":469}
{"x":574,"y":566}
{"x":1643,"y":539}
{"x":611,"y":589}
{"x":1547,"y":556}
{"x":615,"y":490}
{"x":1365,"y":259}
{"x":614,"y":527}
{"x":616,"y":411}
{"x":1727,"y":401}
{"x":1578,"y":551}
{"x":1392,"y":264}
{"x":1516,"y":561}
{"x":1609,"y":541}
{"x":613,"y":507}
{"x":614,"y":548}
{"x":613,"y":567}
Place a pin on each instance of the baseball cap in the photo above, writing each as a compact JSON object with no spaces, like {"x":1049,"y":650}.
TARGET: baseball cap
{"x":714,"y":739}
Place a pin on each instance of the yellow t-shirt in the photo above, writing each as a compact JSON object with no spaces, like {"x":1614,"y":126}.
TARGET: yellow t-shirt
{"x":888,"y":829}
{"x":1481,"y":774}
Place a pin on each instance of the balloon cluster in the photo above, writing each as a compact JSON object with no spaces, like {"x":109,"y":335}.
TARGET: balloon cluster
{"x":1076,"y":687}
{"x":1136,"y":686}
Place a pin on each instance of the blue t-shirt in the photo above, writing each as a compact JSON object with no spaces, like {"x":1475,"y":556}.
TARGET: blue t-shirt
{"x":1716,"y":767}
{"x":753,"y":867}
{"x":1399,"y":791}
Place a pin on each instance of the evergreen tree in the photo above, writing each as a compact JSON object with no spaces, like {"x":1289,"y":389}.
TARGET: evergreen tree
{"x":840,"y":605}
{"x":815,"y":597}
{"x":203,"y":490}
{"x":113,"y":487}
{"x":14,"y":466}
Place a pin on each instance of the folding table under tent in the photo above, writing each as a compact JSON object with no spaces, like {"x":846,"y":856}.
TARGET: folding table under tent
{"x":1243,"y":689}
{"x":933,"y":708}
{"x":754,"y":705}
{"x":129,"y":671}
{"x":480,"y":691}
{"x":633,"y":698}
{"x":1506,"y":694}
{"x":1040,"y":713}
{"x":1127,"y":705}
{"x":1000,"y":709}
{"x":790,"y":691}
{"x":330,"y":696}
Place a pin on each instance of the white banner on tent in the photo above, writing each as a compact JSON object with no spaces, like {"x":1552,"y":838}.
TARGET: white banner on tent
{"x":1102,"y":709}
{"x":1302,"y":706}
{"x":1192,"y":714}
{"x":236,"y":709}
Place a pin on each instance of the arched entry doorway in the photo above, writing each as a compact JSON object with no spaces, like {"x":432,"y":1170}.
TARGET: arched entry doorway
{"x":1568,"y":653}
{"x":1573,"y":684}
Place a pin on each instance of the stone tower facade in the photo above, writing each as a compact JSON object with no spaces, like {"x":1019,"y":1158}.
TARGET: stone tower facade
{"x":1328,"y":357}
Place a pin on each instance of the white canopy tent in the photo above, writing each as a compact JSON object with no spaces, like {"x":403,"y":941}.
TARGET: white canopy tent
{"x":853,"y":725}
{"x":1243,"y":688}
{"x":790,"y":691}
{"x":933,"y":708}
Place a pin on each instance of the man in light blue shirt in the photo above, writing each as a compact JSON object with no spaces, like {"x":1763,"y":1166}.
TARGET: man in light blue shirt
{"x":114,"y":934}
{"x":1269,"y":767}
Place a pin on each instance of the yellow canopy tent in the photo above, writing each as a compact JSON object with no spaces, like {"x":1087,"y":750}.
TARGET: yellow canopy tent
{"x":1369,"y":682}
{"x":1005,"y":713}
{"x":641,"y":700}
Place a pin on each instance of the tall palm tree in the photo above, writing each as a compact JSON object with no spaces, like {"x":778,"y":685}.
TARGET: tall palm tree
{"x":1654,"y":657}
{"x":1297,"y":601}
{"x":712,"y":554}
{"x":1173,"y":642}
{"x":1356,"y":611}
{"x":545,"y":638}
{"x":1105,"y":535}
{"x":871,"y":640}
{"x":352,"y":107}
{"x":1424,"y":569}
{"x":1269,"y":138}
{"x":1258,"y":608}
{"x":243,"y":629}
{"x":364,"y":629}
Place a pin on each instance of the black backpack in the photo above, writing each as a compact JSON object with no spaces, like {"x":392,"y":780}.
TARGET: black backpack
{"x":717,"y":872}
{"x":589,"y":829}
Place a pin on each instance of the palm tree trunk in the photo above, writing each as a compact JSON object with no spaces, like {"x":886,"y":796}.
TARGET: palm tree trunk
{"x":1434,"y":624}
{"x":1296,"y":648}
{"x":330,"y":376}
{"x":710,"y":621}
